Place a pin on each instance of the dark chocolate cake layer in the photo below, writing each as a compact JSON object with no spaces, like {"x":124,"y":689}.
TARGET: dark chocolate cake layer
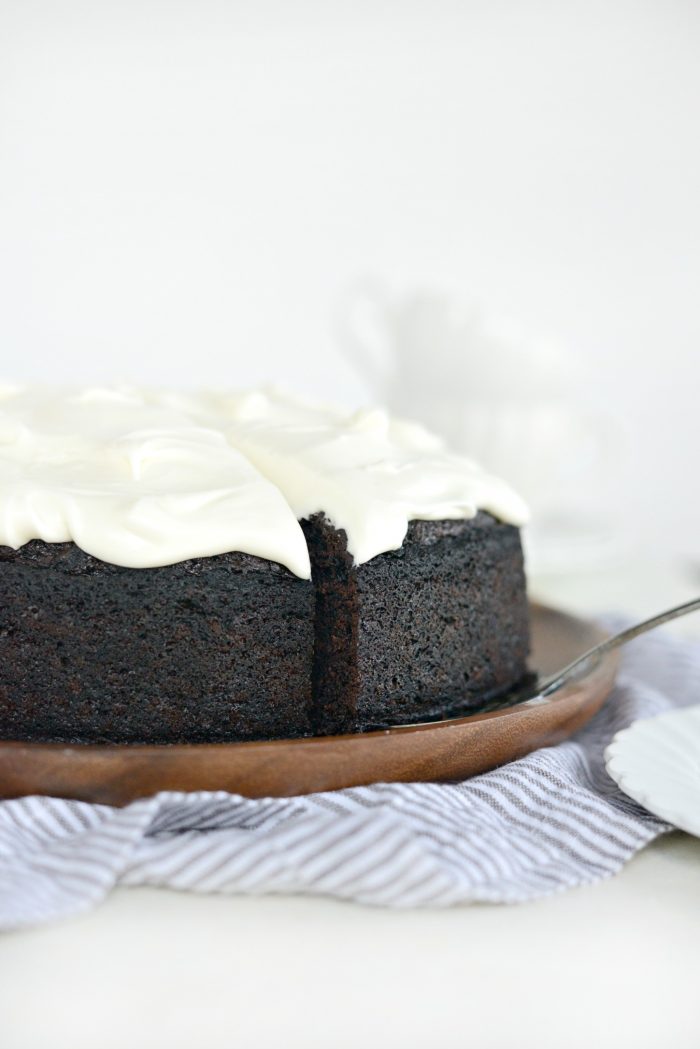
{"x":215,"y":648}
{"x":234,"y":647}
{"x":434,"y":629}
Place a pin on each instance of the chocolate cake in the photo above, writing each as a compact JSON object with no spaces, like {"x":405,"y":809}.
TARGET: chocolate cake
{"x":349,"y":572}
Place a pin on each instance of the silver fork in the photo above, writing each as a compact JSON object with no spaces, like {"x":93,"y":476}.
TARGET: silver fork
{"x":590,"y":659}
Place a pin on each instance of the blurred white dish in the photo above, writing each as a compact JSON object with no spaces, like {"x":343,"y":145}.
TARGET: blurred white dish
{"x":507,"y":399}
{"x":657,"y":762}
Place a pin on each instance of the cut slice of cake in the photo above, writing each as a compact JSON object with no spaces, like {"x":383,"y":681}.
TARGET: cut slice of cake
{"x":433,"y":629}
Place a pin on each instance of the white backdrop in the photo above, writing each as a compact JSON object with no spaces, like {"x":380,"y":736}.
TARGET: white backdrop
{"x":187,"y":187}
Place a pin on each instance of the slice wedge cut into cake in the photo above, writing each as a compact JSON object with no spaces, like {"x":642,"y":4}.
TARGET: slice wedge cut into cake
{"x":212,"y":567}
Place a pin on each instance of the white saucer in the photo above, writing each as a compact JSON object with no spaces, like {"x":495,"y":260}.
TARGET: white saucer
{"x":657,"y":762}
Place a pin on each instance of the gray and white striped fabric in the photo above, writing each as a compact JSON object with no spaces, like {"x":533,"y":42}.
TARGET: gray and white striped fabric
{"x":551,"y":821}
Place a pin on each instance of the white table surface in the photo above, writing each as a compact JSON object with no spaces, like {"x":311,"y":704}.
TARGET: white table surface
{"x":612,"y":965}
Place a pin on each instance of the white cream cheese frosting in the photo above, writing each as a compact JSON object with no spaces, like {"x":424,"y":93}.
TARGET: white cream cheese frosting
{"x":144,"y":478}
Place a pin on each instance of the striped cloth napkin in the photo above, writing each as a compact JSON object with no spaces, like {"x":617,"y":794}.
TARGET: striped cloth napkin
{"x":551,"y":821}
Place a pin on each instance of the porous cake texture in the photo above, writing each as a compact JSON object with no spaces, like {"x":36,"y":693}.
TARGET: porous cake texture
{"x":235,"y":647}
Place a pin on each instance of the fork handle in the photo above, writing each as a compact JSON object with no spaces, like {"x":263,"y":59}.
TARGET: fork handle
{"x":555,"y":682}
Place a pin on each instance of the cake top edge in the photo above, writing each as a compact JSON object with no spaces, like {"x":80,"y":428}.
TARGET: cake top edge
{"x":148,"y":477}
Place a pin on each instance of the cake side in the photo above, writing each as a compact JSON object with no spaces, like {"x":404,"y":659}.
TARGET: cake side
{"x":233,"y":647}
{"x":215,"y":648}
{"x":436,"y":628}
{"x":443,"y":622}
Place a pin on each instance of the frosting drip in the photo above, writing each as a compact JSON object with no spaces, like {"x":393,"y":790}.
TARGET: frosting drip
{"x":149,"y":478}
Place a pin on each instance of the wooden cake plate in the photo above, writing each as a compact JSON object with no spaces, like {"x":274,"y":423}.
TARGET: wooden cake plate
{"x":442,"y":750}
